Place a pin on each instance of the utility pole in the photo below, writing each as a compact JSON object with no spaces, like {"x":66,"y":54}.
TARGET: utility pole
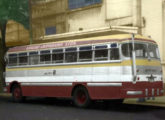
{"x":163,"y":30}
{"x":137,"y":15}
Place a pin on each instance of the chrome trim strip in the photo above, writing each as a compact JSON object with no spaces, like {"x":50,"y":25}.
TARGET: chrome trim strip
{"x":146,"y":92}
{"x":153,"y":91}
{"x":134,"y":92}
{"x":46,"y":84}
{"x":158,"y":91}
{"x":65,"y":64}
{"x":105,"y":84}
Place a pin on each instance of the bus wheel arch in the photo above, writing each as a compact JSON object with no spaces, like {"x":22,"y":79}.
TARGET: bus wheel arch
{"x":14,"y":83}
{"x":16,"y":92}
{"x":81,"y":96}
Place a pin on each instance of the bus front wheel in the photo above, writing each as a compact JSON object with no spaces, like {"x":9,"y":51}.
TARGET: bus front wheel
{"x":17,"y":94}
{"x":81,"y":97}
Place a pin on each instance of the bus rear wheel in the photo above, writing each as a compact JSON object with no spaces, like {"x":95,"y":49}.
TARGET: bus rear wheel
{"x":17,"y":94}
{"x":81,"y":97}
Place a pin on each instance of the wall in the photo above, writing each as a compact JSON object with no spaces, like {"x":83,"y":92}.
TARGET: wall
{"x":16,"y":34}
{"x":44,"y":15}
{"x":153,"y":26}
{"x":102,"y":15}
{"x":49,"y":14}
{"x":56,"y":13}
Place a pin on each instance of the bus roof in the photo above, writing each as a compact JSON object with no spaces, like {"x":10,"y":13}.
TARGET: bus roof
{"x":83,"y":41}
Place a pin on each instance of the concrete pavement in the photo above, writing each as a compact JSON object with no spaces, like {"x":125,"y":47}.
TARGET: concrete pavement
{"x":159,"y":101}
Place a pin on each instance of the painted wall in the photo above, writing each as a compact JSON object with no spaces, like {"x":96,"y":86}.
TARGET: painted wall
{"x":56,"y":13}
{"x":88,"y":18}
{"x":102,"y":15}
{"x":153,"y":26}
{"x":152,"y":14}
{"x":16,"y":34}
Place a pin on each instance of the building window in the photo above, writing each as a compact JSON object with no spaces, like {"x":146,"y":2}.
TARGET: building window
{"x":73,"y":4}
{"x":50,"y":30}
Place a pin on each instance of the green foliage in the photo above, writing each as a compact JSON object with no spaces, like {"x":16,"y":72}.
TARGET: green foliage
{"x":17,"y":10}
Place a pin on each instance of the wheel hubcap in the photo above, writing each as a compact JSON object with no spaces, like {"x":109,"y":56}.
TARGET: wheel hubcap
{"x":17,"y":93}
{"x":81,"y":97}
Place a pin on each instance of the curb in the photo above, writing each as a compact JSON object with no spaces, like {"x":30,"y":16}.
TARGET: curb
{"x":159,"y":102}
{"x":147,"y":104}
{"x":5,"y":94}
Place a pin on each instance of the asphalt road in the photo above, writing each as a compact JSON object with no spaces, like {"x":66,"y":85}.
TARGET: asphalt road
{"x":53,"y":109}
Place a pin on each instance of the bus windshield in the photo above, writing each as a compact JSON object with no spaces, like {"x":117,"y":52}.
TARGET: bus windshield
{"x":153,"y":51}
{"x":141,"y":50}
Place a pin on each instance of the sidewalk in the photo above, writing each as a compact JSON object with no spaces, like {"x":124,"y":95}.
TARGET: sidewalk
{"x":5,"y":95}
{"x":159,"y":101}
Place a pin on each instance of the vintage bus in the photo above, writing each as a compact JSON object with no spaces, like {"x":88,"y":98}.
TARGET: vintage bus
{"x":96,"y":68}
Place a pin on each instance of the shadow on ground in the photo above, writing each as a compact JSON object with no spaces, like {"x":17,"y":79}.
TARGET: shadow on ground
{"x":95,"y":105}
{"x":64,"y":108}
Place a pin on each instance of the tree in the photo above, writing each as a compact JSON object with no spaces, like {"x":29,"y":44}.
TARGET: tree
{"x":17,"y":10}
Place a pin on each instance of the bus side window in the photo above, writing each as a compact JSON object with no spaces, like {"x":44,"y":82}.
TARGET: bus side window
{"x":23,"y":59}
{"x":71,"y":55}
{"x":101,"y":53}
{"x":57,"y":56}
{"x":12,"y":61}
{"x":45,"y":57}
{"x":85,"y":53}
{"x":33,"y":58}
{"x":114,"y":54}
{"x":127,"y":49}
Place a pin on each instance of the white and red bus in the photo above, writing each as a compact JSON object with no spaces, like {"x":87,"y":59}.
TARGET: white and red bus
{"x":97,"y":68}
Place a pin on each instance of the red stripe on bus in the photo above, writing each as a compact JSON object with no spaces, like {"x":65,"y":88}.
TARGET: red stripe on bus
{"x":95,"y":92}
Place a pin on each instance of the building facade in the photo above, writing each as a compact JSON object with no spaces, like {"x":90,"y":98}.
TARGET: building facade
{"x":63,"y":16}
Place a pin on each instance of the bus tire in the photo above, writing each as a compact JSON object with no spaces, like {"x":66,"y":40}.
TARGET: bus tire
{"x":17,"y":94}
{"x":81,"y":97}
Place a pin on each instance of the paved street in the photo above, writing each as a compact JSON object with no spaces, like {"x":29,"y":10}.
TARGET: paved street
{"x":52,"y":109}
